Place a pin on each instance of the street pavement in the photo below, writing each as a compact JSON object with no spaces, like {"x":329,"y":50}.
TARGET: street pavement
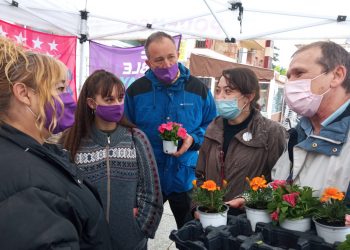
{"x":161,"y":241}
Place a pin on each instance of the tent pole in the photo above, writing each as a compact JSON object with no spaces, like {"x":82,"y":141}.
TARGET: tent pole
{"x":216,"y":18}
{"x":163,"y":23}
{"x":83,"y":39}
{"x":81,"y":68}
{"x":178,"y":31}
{"x":143,"y":25}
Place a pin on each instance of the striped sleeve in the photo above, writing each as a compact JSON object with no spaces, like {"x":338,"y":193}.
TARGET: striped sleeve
{"x":149,"y":195}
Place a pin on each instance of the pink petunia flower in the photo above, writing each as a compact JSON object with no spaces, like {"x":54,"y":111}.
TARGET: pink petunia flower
{"x":168,"y":126}
{"x":182,"y":133}
{"x":178,"y":124}
{"x":161,"y":128}
{"x":278,"y":183}
{"x":291,"y":198}
{"x":274,"y":216}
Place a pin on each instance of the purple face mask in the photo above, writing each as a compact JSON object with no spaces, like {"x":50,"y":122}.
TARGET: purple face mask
{"x":64,"y":120}
{"x":166,"y":75}
{"x":110,"y":113}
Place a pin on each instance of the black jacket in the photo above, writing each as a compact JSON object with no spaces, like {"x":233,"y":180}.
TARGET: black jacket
{"x":44,"y":203}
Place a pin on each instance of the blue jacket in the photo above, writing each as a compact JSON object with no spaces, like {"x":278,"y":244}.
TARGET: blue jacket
{"x":149,"y":103}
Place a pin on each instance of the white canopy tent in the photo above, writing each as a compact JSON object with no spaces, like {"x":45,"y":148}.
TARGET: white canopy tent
{"x":103,"y":20}
{"x":216,"y":19}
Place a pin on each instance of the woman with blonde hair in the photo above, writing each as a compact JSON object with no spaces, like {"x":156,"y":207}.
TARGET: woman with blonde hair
{"x":45,"y":203}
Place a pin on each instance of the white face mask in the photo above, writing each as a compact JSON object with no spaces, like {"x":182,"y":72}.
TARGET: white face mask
{"x":300,"y":99}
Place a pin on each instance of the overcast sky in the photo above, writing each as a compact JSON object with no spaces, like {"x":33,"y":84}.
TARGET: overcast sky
{"x":287,"y":48}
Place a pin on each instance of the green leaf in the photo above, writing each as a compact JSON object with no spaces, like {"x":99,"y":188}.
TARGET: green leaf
{"x":284,"y":209}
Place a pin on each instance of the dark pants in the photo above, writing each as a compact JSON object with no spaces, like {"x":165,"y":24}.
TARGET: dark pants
{"x":180,"y":205}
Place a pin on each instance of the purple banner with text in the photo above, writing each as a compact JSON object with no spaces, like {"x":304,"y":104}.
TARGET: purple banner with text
{"x":126,"y":63}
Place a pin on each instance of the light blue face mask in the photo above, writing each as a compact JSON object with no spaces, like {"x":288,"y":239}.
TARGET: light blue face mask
{"x":228,"y":109}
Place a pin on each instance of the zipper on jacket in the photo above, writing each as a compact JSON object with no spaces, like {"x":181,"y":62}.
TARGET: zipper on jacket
{"x":222,"y":165}
{"x":108,"y":179}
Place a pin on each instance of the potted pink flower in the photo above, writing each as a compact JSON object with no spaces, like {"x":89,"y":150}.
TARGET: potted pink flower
{"x":171,"y":133}
{"x":292,"y":206}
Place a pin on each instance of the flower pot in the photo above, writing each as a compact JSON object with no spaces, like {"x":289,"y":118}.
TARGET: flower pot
{"x":301,"y":225}
{"x":331,"y":234}
{"x":257,"y":215}
{"x":169,"y":147}
{"x":212,"y":219}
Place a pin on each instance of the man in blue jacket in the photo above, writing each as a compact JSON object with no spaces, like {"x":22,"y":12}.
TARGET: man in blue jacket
{"x":166,"y":93}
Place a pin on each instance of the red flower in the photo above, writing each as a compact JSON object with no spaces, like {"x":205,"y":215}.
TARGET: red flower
{"x":182,"y":133}
{"x":165,"y":126}
{"x":168,"y":126}
{"x":161,"y":128}
{"x":278,"y":183}
{"x":172,"y":131}
{"x":274,"y":216}
{"x":291,"y":198}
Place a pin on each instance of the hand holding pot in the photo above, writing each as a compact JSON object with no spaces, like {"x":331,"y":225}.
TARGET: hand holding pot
{"x":236,"y":203}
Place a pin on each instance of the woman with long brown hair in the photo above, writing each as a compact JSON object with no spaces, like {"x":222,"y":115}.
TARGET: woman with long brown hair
{"x":118,"y":160}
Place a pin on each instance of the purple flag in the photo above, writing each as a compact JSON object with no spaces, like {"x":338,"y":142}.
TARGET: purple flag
{"x":126,"y":63}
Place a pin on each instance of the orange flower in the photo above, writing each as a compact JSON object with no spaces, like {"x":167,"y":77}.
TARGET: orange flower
{"x":194,"y":183}
{"x":257,"y":183}
{"x":209,"y":185}
{"x":332,"y":193}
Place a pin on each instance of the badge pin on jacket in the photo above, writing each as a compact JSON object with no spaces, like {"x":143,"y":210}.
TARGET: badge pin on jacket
{"x":247,"y":136}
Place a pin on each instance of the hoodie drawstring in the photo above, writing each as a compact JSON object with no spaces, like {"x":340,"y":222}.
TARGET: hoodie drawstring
{"x":154,"y":97}
{"x":184,"y":95}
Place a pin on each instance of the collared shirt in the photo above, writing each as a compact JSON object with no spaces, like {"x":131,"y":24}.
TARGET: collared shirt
{"x":307,"y":126}
{"x":335,"y":114}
